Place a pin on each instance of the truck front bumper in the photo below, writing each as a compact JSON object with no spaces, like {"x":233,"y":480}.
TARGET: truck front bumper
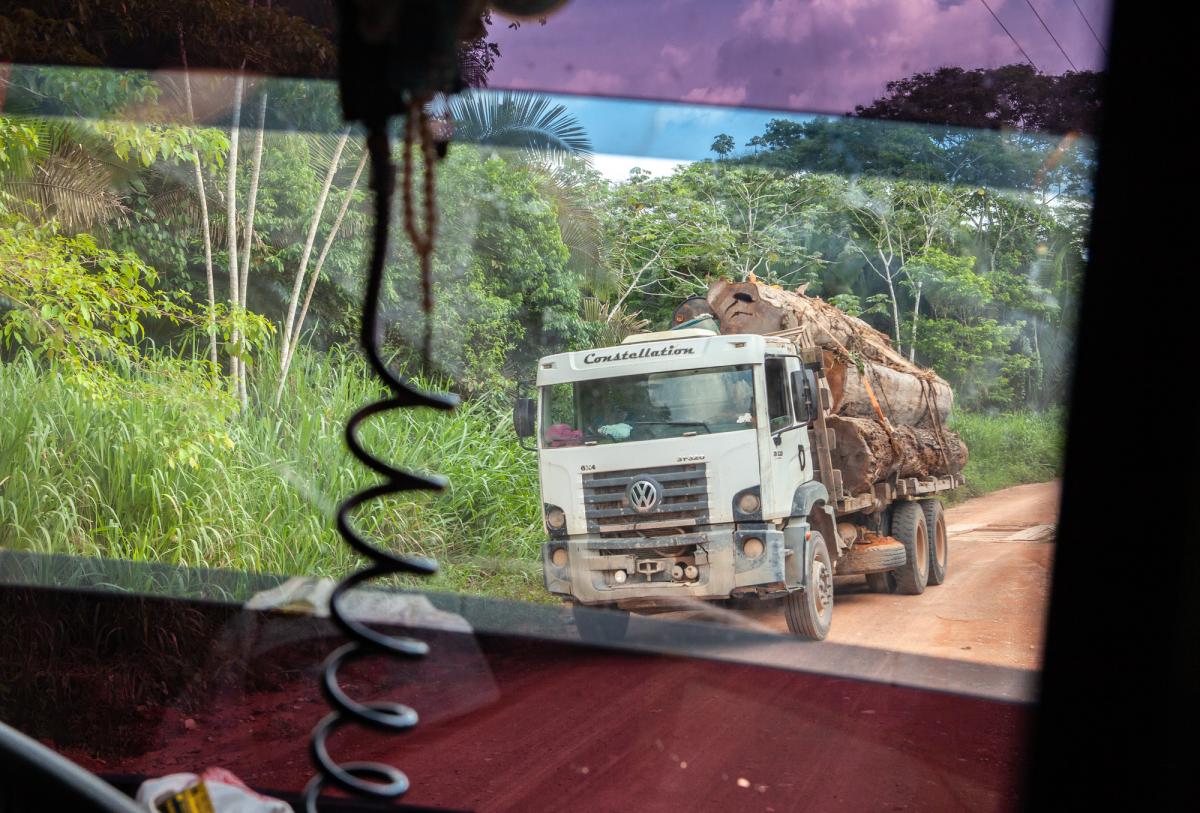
{"x":588,"y":574}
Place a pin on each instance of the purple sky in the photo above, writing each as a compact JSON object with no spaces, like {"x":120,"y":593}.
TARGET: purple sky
{"x":803,"y":55}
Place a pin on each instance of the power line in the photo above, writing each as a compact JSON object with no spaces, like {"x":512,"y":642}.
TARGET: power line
{"x":1095,"y":36}
{"x":1010,"y":36}
{"x":1051,"y":33}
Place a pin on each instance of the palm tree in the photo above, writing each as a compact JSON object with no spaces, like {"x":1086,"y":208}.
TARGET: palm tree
{"x":68,"y":176}
{"x":610,"y":324}
{"x":517,"y":120}
{"x":546,"y":138}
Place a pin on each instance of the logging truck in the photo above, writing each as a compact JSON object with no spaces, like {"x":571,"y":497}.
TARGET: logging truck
{"x":690,"y":465}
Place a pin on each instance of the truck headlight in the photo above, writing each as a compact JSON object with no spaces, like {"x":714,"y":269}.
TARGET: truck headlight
{"x":556,"y":519}
{"x":559,"y":557}
{"x":748,"y":503}
{"x":752,"y":547}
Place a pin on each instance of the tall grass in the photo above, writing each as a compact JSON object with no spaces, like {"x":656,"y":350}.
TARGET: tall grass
{"x":166,"y":471}
{"x":162,"y":475}
{"x":1011,"y":448}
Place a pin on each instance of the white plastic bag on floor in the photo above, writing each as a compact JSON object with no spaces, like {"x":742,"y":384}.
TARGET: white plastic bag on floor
{"x":227,"y":793}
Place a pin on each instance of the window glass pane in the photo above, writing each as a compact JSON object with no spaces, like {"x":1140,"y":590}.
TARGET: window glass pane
{"x":120,"y":440}
{"x":559,"y":416}
{"x":779,"y":409}
{"x":651,"y":406}
{"x":179,"y":349}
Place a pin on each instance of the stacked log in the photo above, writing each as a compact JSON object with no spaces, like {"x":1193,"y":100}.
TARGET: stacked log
{"x":915,"y":403}
{"x":866,"y":454}
{"x":854,"y":351}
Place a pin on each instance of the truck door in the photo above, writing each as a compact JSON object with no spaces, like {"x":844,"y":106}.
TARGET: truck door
{"x":789,"y":460}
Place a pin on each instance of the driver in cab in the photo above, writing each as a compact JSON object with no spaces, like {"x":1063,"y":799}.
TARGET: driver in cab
{"x":610,"y":416}
{"x":613,"y":423}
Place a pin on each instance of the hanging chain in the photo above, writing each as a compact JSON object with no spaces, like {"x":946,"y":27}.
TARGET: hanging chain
{"x":418,"y":130}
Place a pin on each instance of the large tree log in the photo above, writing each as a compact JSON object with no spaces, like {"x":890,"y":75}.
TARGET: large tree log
{"x":866,"y":455}
{"x":853,"y":349}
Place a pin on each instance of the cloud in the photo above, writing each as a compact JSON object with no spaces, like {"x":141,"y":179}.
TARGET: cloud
{"x":811,"y":55}
{"x":821,"y":54}
{"x":674,"y":56}
{"x":587,"y":80}
{"x":616,"y":168}
{"x":721,"y":94}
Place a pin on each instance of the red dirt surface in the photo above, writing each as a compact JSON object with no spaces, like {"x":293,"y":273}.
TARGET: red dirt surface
{"x":992,"y":606}
{"x":548,"y":726}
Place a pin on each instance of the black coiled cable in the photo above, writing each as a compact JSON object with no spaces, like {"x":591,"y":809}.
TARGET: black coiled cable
{"x":372,"y":778}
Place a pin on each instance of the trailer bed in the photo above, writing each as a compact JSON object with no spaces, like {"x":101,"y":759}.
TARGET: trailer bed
{"x":909,"y":488}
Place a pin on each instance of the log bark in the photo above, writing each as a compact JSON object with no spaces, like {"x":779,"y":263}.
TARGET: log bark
{"x":866,"y":455}
{"x":855,"y":352}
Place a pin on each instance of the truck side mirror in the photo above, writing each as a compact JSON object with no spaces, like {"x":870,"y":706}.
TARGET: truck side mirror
{"x":803,"y":400}
{"x":524,"y":417}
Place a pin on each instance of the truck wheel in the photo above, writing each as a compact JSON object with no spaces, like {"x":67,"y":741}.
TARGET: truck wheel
{"x":908,"y":526}
{"x":874,"y":558}
{"x":809,"y":612}
{"x":600,"y":625}
{"x":881,"y":582}
{"x":939,"y":548}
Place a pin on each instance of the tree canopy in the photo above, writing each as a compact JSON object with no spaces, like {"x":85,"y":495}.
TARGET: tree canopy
{"x":964,"y":245}
{"x":1009,"y":97}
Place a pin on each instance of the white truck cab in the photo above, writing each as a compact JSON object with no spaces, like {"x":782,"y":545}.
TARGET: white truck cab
{"x":687,"y":465}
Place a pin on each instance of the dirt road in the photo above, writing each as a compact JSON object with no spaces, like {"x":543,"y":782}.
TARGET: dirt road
{"x":992,"y":607}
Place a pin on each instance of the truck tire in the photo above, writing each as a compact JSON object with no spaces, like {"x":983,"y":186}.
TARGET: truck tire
{"x":939,"y":541}
{"x":908,"y":526}
{"x":600,"y":625}
{"x":875,"y":558}
{"x":881,"y":582}
{"x":809,"y":612}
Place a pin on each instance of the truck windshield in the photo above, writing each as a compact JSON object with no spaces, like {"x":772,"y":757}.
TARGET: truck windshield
{"x":648,"y":407}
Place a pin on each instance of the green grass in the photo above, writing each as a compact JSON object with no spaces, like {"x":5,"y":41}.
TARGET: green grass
{"x":1008,"y":449}
{"x":165,"y":471}
{"x":162,"y":473}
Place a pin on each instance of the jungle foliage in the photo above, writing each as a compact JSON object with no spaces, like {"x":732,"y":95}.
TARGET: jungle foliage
{"x":121,"y":339}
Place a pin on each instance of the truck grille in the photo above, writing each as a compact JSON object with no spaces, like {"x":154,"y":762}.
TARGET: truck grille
{"x":683,"y":499}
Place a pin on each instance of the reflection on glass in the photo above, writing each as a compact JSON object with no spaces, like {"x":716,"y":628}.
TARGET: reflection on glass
{"x":645,"y":407}
{"x":178,"y":315}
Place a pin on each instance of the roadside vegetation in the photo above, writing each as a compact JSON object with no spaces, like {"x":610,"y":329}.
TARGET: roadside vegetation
{"x":1009,"y":449}
{"x":150,"y":476}
{"x":179,"y":306}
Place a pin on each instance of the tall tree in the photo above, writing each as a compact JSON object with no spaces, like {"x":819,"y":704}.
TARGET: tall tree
{"x":893,"y":224}
{"x":235,"y":304}
{"x":298,"y":328}
{"x":248,"y":238}
{"x":723,"y":144}
{"x":1010,"y":97}
{"x":205,"y":226}
{"x":289,"y":322}
{"x":252,"y":197}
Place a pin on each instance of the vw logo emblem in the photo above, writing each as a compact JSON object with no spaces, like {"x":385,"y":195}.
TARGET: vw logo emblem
{"x":643,"y":494}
